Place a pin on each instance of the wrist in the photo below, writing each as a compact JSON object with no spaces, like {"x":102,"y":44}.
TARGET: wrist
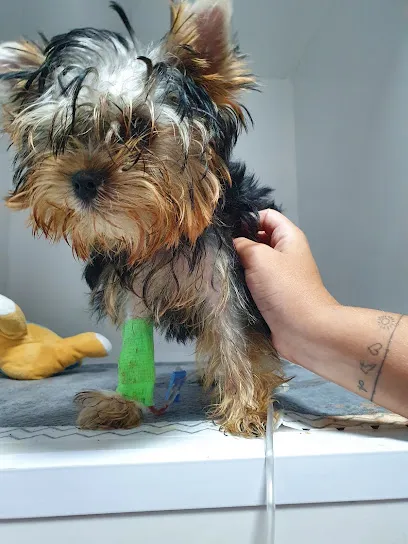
{"x":310,"y":341}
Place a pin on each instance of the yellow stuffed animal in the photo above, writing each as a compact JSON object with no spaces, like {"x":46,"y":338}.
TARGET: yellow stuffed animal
{"x":31,"y":352}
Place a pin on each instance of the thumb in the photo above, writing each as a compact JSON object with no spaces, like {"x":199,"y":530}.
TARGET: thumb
{"x":248,"y":251}
{"x":242,"y":244}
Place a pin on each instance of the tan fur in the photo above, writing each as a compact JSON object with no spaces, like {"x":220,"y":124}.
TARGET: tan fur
{"x":244,"y":368}
{"x":225,"y":74}
{"x":243,"y":382}
{"x":172,"y":202}
{"x":29,"y":56}
{"x":104,"y":410}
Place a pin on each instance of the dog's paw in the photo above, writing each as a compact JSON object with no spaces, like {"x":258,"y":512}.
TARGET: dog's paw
{"x":105,"y":410}
{"x":239,"y":422}
{"x":248,"y":427}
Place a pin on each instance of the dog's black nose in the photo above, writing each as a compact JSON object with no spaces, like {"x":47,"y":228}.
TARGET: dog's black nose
{"x":86,"y":183}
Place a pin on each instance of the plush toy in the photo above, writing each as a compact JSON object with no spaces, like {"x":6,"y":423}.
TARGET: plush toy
{"x":31,"y":352}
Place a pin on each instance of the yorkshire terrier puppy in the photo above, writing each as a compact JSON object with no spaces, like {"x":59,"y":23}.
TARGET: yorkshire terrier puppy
{"x":125,"y":152}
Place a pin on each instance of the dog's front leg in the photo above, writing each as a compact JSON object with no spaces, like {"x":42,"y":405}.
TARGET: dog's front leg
{"x":117,"y":410}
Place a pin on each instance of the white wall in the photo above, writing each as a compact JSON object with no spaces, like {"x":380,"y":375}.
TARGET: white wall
{"x":351,"y":122}
{"x":269,"y":147}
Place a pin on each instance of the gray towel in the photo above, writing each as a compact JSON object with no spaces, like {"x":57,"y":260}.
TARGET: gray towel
{"x":309,"y":400}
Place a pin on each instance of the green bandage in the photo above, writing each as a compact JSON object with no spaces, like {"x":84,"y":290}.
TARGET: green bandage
{"x":136,"y":375}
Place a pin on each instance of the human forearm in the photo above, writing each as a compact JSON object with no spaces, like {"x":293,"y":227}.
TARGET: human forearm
{"x":365,"y":351}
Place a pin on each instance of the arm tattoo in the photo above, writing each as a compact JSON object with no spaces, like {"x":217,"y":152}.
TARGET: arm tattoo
{"x":375,"y":349}
{"x":373,"y":370}
{"x":367,"y":367}
{"x":361,"y":386}
{"x":386,"y":322}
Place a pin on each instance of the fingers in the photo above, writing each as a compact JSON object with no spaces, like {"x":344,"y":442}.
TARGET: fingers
{"x":275,"y":231}
{"x":279,"y":232}
{"x":251,"y":254}
{"x":245,"y":249}
{"x":242,"y":244}
{"x":264,"y":238}
{"x":272,"y":219}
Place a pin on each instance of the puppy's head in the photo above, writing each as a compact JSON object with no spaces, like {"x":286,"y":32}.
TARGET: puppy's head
{"x":119,"y":147}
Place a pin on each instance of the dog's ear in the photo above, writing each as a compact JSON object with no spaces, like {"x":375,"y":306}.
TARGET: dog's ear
{"x":17,"y":200}
{"x":18,"y":62}
{"x":200,"y":42}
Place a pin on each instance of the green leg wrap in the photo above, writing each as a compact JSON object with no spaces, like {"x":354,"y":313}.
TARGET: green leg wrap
{"x":136,"y":373}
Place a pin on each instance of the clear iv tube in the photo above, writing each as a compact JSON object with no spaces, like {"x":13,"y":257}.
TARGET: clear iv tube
{"x":269,"y":477}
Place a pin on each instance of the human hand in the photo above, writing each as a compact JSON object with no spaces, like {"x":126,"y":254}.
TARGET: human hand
{"x":285,"y":283}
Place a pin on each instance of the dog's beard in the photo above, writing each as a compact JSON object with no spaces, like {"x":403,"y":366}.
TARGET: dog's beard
{"x":139,"y":208}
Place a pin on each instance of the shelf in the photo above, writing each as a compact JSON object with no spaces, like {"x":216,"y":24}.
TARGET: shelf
{"x":62,"y":472}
